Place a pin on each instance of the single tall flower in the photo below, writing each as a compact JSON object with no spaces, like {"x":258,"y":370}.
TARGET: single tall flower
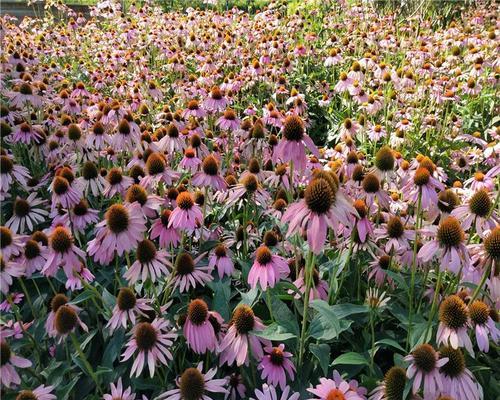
{"x":221,"y":258}
{"x":477,"y":212}
{"x":8,"y":373}
{"x":159,"y":229}
{"x":267,"y":269}
{"x":292,"y":146}
{"x":126,"y":308}
{"x":151,"y":341}
{"x":275,"y":365}
{"x":453,"y":323}
{"x":27,"y":213}
{"x":269,"y":393}
{"x":187,"y":274}
{"x":484,"y":326}
{"x":323,"y":206}
{"x":424,"y":369}
{"x":194,"y":385}
{"x":198,"y":330}
{"x":209,"y":175}
{"x":149,"y":263}
{"x":121,"y":230}
{"x":392,"y":387}
{"x":117,"y":392}
{"x":239,"y":339}
{"x":40,"y":393}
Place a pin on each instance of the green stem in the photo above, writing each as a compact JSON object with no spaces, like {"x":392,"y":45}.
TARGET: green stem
{"x":481,"y":284}
{"x":434,"y":301}
{"x":89,"y":368}
{"x":308,"y":280}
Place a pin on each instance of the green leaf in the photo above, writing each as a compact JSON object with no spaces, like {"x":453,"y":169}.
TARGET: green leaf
{"x":326,"y":325}
{"x":350,"y":358}
{"x":113,"y":348}
{"x":347,"y":309}
{"x":85,"y":295}
{"x":391,"y":343}
{"x":249,"y":297}
{"x":322,"y":353}
{"x":222,"y":295}
{"x":275,"y":332}
{"x":283,"y":316}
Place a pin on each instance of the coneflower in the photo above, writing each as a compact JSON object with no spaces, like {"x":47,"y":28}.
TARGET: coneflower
{"x":454,"y":322}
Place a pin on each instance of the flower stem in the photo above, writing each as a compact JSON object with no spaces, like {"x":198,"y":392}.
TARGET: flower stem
{"x":89,"y":368}
{"x":434,"y":301}
{"x":481,"y":283}
{"x":308,"y":279}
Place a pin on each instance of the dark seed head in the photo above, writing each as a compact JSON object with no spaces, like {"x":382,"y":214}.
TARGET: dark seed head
{"x":21,"y":207}
{"x":145,"y":336}
{"x":456,"y":361}
{"x":450,"y":233}
{"x":243,"y":319}
{"x":492,"y":244}
{"x":117,"y":218}
{"x":210,"y":165}
{"x":185,"y":201}
{"x":60,"y":185}
{"x":5,"y":353}
{"x":479,"y":312}
{"x":425,"y":357}
{"x":422,"y":176}
{"x":26,"y":395}
{"x":114,"y":176}
{"x":81,"y":208}
{"x":253,"y":166}
{"x":263,"y":255}
{"x":480,"y":203}
{"x":136,"y":172}
{"x":277,"y":357}
{"x":448,"y":200}
{"x":250,"y":182}
{"x":192,"y":384}
{"x":395,"y":382}
{"x":293,"y":128}
{"x":61,"y":240}
{"x":146,"y":251}
{"x":453,"y":312}
{"x":271,"y":239}
{"x":319,"y":196}
{"x":6,"y":165}
{"x":395,"y":227}
{"x":371,"y":183}
{"x":74,"y":132}
{"x":57,"y":301}
{"x":89,"y":171}
{"x":197,"y":311}
{"x":384,"y":159}
{"x":184,"y":264}
{"x":31,"y":249}
{"x":40,"y":237}
{"x":65,"y":319}
{"x":136,"y":193}
{"x":126,"y":299}
{"x":155,"y":164}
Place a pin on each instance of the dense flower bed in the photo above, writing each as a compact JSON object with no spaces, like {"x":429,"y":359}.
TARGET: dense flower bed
{"x":282,"y":205}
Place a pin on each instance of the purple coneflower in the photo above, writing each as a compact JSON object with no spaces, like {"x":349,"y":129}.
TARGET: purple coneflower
{"x":150,"y":263}
{"x":126,"y":308}
{"x":83,"y":216}
{"x":319,"y":287}
{"x":448,"y":245}
{"x":209,"y":175}
{"x":194,"y":385}
{"x":477,"y":211}
{"x":121,"y":230}
{"x":458,"y":381}
{"x":151,"y":341}
{"x":215,"y":102}
{"x":150,"y":203}
{"x":294,"y":142}
{"x":10,"y":243}
{"x":10,"y":172}
{"x":167,"y":236}
{"x":329,"y":389}
{"x":198,"y":330}
{"x":275,"y":365}
{"x":187,"y":274}
{"x":424,"y":369}
{"x":90,"y":180}
{"x":237,"y":389}
{"x":187,"y":215}
{"x":239,"y":339}
{"x":484,"y":325}
{"x":398,"y":237}
{"x":392,"y":387}
{"x":40,"y":393}
{"x":9,"y":270}
{"x":249,"y":188}
{"x":8,"y":373}
{"x":267,"y":269}
{"x":269,"y":393}
{"x":221,"y":258}
{"x":57,"y":302}
{"x":117,"y":392}
{"x":454,"y":322}
{"x":116,"y":183}
{"x":423,"y":185}
{"x":228,"y":121}
{"x":323,"y":206}
{"x":64,"y":192}
{"x":27,"y":213}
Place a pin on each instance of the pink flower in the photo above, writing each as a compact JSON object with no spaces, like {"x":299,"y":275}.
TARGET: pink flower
{"x":150,"y":263}
{"x":187,"y":274}
{"x":239,"y":339}
{"x":453,"y":324}
{"x":323,"y":206}
{"x":319,"y":287}
{"x":294,"y":142}
{"x":198,"y":330}
{"x":121,"y":230}
{"x":330,"y":389}
{"x":269,"y":393}
{"x":424,"y":370}
{"x":483,"y":325}
{"x":193,"y":384}
{"x":8,"y":374}
{"x":40,"y":393}
{"x":275,"y":365}
{"x":221,"y":258}
{"x":187,"y":215}
{"x":64,"y":193}
{"x":267,"y":269}
{"x":159,"y":229}
{"x":117,"y":392}
{"x":56,"y":303}
{"x":209,"y":176}
{"x":126,"y":308}
{"x":151,"y":341}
